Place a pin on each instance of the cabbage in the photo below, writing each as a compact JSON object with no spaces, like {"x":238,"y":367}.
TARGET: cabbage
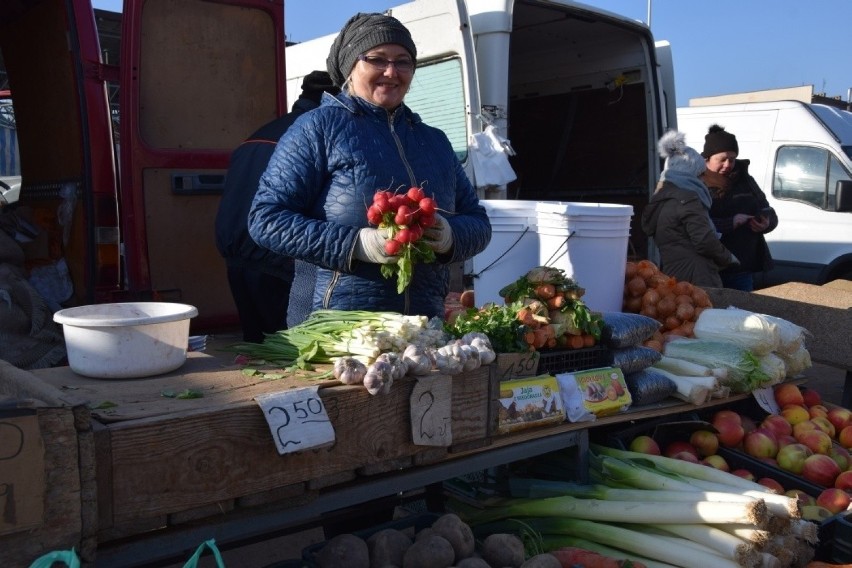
{"x":752,"y":331}
{"x":743,"y":366}
{"x":796,"y":362}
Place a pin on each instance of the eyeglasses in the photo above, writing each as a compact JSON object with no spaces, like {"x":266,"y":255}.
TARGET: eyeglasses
{"x":381,"y":64}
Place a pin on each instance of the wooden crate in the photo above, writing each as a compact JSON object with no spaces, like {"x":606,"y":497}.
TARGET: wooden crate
{"x":47,"y":471}
{"x":163,"y":461}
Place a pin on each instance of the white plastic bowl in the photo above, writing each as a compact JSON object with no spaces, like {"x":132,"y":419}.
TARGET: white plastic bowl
{"x":126,"y":340}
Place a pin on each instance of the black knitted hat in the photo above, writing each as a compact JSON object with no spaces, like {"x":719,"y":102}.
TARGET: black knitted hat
{"x":315,"y":84}
{"x":718,"y":140}
{"x":360,"y":34}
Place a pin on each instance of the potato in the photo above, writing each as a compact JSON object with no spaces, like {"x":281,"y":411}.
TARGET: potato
{"x":504,"y":550}
{"x":545,"y":560}
{"x":344,"y":550}
{"x":457,"y":532}
{"x":387,"y":548}
{"x":430,"y":552}
{"x":472,"y":562}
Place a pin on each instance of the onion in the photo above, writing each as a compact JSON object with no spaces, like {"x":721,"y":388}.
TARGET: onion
{"x":688,"y":328}
{"x":636,"y":286}
{"x":666,"y":306}
{"x":671,"y":323}
{"x":700,"y":298}
{"x":630,"y":270}
{"x":683,"y":299}
{"x":654,"y":344}
{"x":685,"y":311}
{"x":650,"y":298}
{"x":683,"y":287}
{"x":633,"y":305}
{"x":649,"y":311}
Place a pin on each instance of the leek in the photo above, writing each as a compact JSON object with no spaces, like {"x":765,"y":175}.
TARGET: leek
{"x":722,"y":542}
{"x":682,"y":367}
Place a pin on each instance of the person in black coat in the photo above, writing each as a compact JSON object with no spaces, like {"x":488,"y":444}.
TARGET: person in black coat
{"x":260,"y":280}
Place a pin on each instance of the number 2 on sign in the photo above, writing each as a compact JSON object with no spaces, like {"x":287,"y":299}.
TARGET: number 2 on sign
{"x":297,"y":419}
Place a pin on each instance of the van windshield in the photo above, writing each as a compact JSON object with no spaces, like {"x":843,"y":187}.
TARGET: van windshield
{"x":839,"y":122}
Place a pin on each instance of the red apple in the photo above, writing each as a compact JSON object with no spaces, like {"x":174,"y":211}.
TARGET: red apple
{"x":824,"y":424}
{"x":818,"y":410}
{"x":726,"y":414}
{"x":833,"y":499}
{"x":800,"y":427}
{"x":840,"y":417}
{"x":686,"y":455}
{"x":679,"y":446}
{"x":645,"y":445}
{"x":795,"y":413}
{"x":786,"y":441}
{"x":744,"y":473}
{"x":788,"y":393}
{"x":731,"y":433}
{"x":821,"y":469}
{"x":844,"y":480}
{"x":792,"y":457}
{"x":800,"y":495}
{"x":845,"y":437}
{"x":818,"y":441}
{"x":705,"y":441}
{"x":811,"y":397}
{"x":771,"y":484}
{"x":716,"y":461}
{"x":760,"y":444}
{"x":777,"y":424}
{"x":841,"y":456}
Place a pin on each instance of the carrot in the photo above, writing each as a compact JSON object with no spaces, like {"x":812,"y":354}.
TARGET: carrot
{"x":529,"y":338}
{"x":575,"y":342}
{"x":588,"y":340}
{"x":525,"y":316}
{"x":556,"y":302}
{"x":570,"y":557}
{"x":540,"y":337}
{"x":545,"y":291}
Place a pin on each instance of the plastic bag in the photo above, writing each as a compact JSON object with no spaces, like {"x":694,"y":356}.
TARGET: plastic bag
{"x":649,"y":387}
{"x":489,"y":152}
{"x":774,"y":367}
{"x":752,"y":331}
{"x":795,"y":363}
{"x":744,"y":372}
{"x":211,"y":544}
{"x":634,"y":358}
{"x":622,"y":329}
{"x":67,"y":557}
{"x":791,"y":337}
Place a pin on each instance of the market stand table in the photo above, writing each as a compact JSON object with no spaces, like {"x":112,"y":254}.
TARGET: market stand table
{"x":163,"y":474}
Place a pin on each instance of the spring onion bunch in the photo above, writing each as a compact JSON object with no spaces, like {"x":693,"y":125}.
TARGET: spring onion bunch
{"x":329,"y":334}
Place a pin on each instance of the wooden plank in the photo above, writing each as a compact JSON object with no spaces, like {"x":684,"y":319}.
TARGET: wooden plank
{"x":471,"y":402}
{"x":170,"y":463}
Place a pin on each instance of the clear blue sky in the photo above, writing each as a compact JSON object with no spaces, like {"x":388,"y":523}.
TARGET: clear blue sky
{"x":719,"y":47}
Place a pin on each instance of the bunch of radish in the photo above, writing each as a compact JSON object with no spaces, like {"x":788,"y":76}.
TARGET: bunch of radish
{"x":405,"y":216}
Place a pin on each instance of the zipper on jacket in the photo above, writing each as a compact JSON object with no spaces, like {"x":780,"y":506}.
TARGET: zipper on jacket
{"x":326,"y":299}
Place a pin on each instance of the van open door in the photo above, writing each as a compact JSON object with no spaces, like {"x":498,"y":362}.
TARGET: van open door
{"x":197,"y":77}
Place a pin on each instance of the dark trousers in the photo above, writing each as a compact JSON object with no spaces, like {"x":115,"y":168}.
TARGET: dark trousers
{"x":261,"y":301}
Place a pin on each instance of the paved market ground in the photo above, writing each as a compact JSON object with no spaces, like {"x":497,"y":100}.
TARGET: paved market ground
{"x":828,"y":381}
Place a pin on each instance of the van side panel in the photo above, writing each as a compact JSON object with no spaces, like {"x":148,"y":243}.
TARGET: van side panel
{"x":200,"y":77}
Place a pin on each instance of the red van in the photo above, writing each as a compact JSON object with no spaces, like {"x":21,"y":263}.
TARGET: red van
{"x":125,"y":123}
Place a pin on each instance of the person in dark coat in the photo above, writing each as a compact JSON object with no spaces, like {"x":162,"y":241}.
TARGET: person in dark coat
{"x":677,"y":217}
{"x":313,"y":197}
{"x":260,"y":280}
{"x":740,"y":210}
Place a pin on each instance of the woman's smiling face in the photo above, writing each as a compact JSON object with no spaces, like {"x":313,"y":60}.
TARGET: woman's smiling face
{"x":382,"y":87}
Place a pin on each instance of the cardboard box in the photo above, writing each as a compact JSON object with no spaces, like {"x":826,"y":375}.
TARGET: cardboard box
{"x":516,"y":365}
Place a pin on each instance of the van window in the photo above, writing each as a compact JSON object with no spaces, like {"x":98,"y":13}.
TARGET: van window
{"x":807,"y":174}
{"x":10,"y":164}
{"x":437,"y":95}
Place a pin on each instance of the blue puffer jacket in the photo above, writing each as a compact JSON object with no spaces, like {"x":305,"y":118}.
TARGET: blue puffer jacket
{"x":314,"y":195}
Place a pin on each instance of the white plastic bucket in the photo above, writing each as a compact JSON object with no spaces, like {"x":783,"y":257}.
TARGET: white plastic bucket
{"x":126,"y":340}
{"x":589,"y":242}
{"x":513,"y":249}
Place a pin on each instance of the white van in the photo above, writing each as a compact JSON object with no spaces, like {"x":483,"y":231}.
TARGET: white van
{"x":801,"y":157}
{"x":581,"y":93}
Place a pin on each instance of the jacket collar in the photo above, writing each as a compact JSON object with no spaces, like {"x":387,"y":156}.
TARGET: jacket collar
{"x":357,"y":105}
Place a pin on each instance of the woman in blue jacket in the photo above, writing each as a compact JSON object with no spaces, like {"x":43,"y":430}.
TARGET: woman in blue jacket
{"x":312,"y":200}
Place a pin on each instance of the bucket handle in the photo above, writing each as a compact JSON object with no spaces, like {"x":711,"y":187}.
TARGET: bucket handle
{"x":505,"y":252}
{"x":553,"y":257}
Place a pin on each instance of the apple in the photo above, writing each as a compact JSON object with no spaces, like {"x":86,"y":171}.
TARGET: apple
{"x":833,"y":499}
{"x":744,"y":473}
{"x":818,"y":441}
{"x":748,"y":424}
{"x":840,"y":417}
{"x":777,"y":424}
{"x":771,"y":484}
{"x":726,"y":414}
{"x":645,"y":445}
{"x":825,"y":425}
{"x":844,"y":480}
{"x":801,"y":496}
{"x":786,"y":441}
{"x":800,"y":427}
{"x":679,"y":446}
{"x":844,"y":438}
{"x":818,"y":410}
{"x":760,"y":444}
{"x":788,"y":393}
{"x":841,"y":456}
{"x":685,"y":455}
{"x":716,"y":461}
{"x":730,"y":432}
{"x":821,"y":469}
{"x":705,"y":442}
{"x":795,"y":413}
{"x":792,"y":457}
{"x":811,"y":397}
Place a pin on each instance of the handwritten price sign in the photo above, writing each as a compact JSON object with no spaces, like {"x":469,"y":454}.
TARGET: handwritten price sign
{"x":297,"y":419}
{"x":431,"y":411}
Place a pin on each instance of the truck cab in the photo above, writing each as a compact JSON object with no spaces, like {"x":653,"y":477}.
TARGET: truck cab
{"x":125,"y":124}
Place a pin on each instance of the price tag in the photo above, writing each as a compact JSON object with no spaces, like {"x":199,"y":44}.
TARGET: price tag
{"x":431,"y":411}
{"x":765,"y":398}
{"x":297,"y":419}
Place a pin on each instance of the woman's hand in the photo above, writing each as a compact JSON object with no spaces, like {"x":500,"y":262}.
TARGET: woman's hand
{"x":370,"y":247}
{"x":439,"y":236}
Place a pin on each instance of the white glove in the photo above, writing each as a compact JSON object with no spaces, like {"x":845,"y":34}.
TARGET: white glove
{"x":439,"y":236}
{"x":370,"y":247}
